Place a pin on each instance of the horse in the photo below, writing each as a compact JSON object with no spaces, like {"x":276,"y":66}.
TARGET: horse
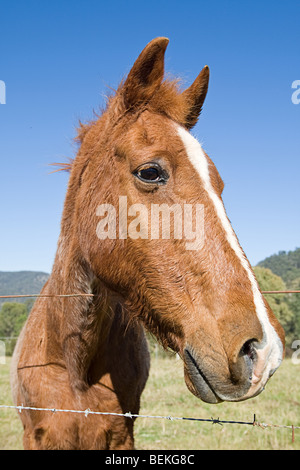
{"x":83,"y":345}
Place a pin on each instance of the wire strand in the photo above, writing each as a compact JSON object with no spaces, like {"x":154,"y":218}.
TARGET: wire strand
{"x":130,"y":415}
{"x":16,"y":296}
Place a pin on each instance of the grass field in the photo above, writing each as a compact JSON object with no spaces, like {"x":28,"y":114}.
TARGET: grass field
{"x":166,"y":394}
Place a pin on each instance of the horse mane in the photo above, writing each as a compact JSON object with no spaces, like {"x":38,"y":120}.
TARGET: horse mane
{"x":64,"y":166}
{"x":167,"y":100}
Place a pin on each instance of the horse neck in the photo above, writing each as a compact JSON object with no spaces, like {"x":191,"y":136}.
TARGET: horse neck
{"x":71,"y":274}
{"x":82,"y":320}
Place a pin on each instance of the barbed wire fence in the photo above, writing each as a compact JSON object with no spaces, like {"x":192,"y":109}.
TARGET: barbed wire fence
{"x":130,"y":415}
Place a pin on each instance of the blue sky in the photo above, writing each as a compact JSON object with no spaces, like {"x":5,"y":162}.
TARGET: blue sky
{"x":57,"y":59}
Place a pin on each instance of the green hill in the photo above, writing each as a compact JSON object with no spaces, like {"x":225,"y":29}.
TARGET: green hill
{"x":285,"y":264}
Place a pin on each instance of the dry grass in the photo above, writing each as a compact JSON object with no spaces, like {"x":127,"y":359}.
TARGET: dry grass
{"x":166,"y":394}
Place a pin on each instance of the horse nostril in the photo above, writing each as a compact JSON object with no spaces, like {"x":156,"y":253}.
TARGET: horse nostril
{"x":248,"y":349}
{"x":242,"y":367}
{"x":249,"y":354}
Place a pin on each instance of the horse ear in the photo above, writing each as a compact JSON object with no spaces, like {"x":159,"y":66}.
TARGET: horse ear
{"x":146,"y":74}
{"x":195,"y":96}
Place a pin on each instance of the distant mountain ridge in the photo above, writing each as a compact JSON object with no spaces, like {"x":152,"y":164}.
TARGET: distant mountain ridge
{"x":21,"y":282}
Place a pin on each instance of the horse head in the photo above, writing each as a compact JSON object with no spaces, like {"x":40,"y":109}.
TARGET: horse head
{"x":140,"y":185}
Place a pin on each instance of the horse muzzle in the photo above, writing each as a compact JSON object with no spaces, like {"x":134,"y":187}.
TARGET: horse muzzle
{"x":245,"y":376}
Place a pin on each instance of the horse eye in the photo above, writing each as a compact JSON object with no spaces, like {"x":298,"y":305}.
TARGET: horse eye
{"x":152,"y":173}
{"x":149,"y":174}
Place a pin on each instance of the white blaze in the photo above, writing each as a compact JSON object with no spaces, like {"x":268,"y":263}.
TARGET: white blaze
{"x":199,"y":161}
